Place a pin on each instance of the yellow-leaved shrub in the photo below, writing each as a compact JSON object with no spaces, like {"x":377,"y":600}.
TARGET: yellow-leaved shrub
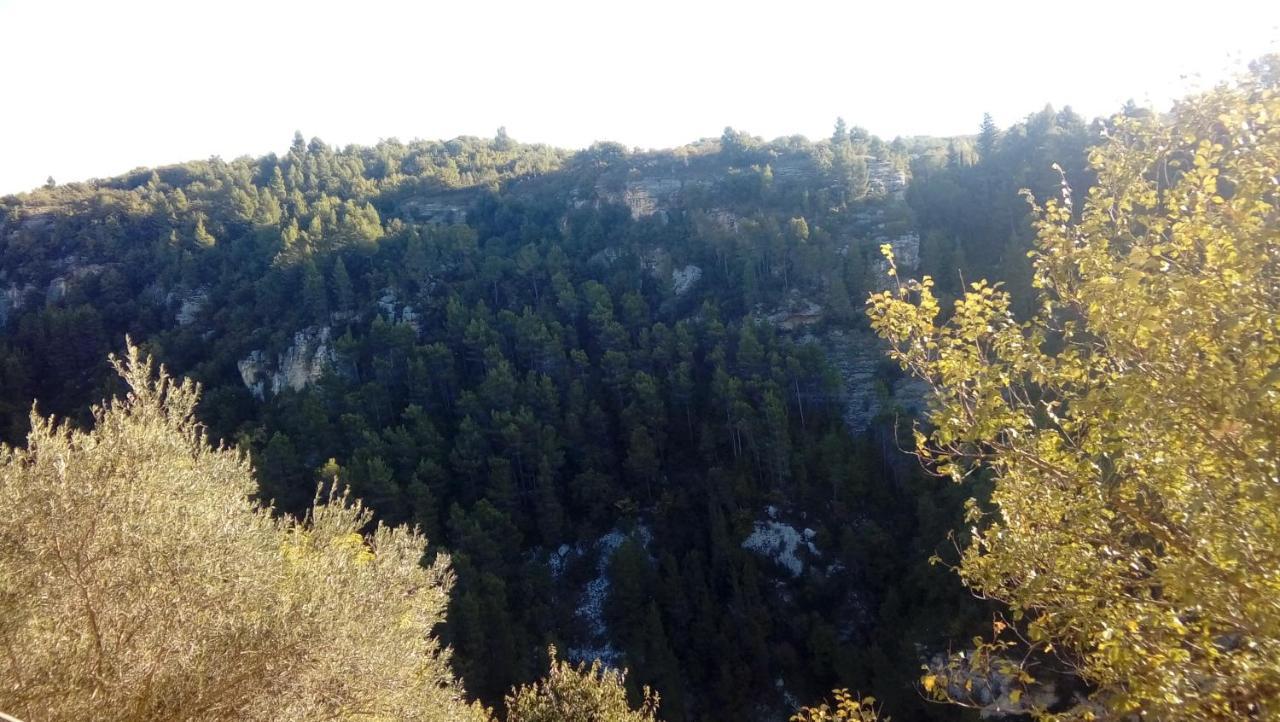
{"x":138,"y":581}
{"x":579,"y":693}
{"x":1132,"y":426}
{"x":845,"y":708}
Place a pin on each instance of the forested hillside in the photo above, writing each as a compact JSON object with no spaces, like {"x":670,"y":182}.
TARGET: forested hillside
{"x":633,"y":394}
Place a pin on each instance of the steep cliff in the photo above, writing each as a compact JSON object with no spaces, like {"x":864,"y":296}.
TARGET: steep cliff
{"x":304,"y":362}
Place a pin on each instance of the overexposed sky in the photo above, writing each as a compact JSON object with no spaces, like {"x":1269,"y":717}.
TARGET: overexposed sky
{"x":94,"y":88}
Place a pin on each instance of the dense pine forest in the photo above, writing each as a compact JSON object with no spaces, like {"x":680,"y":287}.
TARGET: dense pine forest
{"x":633,"y":395}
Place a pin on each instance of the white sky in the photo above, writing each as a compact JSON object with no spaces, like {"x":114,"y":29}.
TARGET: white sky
{"x":96,"y":88}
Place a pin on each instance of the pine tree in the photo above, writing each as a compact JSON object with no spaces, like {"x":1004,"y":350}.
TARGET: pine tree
{"x":343,"y":293}
{"x":840,"y":135}
{"x":777,"y":438}
{"x":204,"y":239}
{"x":315,"y":302}
{"x":642,"y":460}
{"x":277,"y":184}
{"x":987,"y":139}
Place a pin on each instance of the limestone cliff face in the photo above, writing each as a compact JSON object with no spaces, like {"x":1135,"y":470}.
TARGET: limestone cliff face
{"x":12,"y":299}
{"x":906,"y":254}
{"x":190,"y":306}
{"x":657,"y":262}
{"x":855,"y":355}
{"x":644,"y":197}
{"x":886,"y":179}
{"x":684,"y":279}
{"x":793,"y":312}
{"x":73,"y":269}
{"x":308,"y":358}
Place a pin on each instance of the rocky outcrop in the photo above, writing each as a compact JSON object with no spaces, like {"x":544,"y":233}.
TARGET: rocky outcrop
{"x":644,"y":197}
{"x":856,"y":356}
{"x":788,"y":547}
{"x":409,"y":317}
{"x":257,"y":374}
{"x":395,"y":312}
{"x":656,"y":262}
{"x":906,"y":255}
{"x":590,"y":608}
{"x":190,"y":306}
{"x":906,"y":250}
{"x":73,"y":270}
{"x":12,"y":299}
{"x":886,"y":179}
{"x":307,"y":359}
{"x":56,"y":291}
{"x":794,"y":312}
{"x":791,"y":169}
{"x":684,"y":279}
{"x":436,"y":211}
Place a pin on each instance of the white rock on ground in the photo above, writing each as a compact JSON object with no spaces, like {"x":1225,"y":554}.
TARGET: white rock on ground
{"x":591,"y":608}
{"x":781,"y":543}
{"x":191,"y":306}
